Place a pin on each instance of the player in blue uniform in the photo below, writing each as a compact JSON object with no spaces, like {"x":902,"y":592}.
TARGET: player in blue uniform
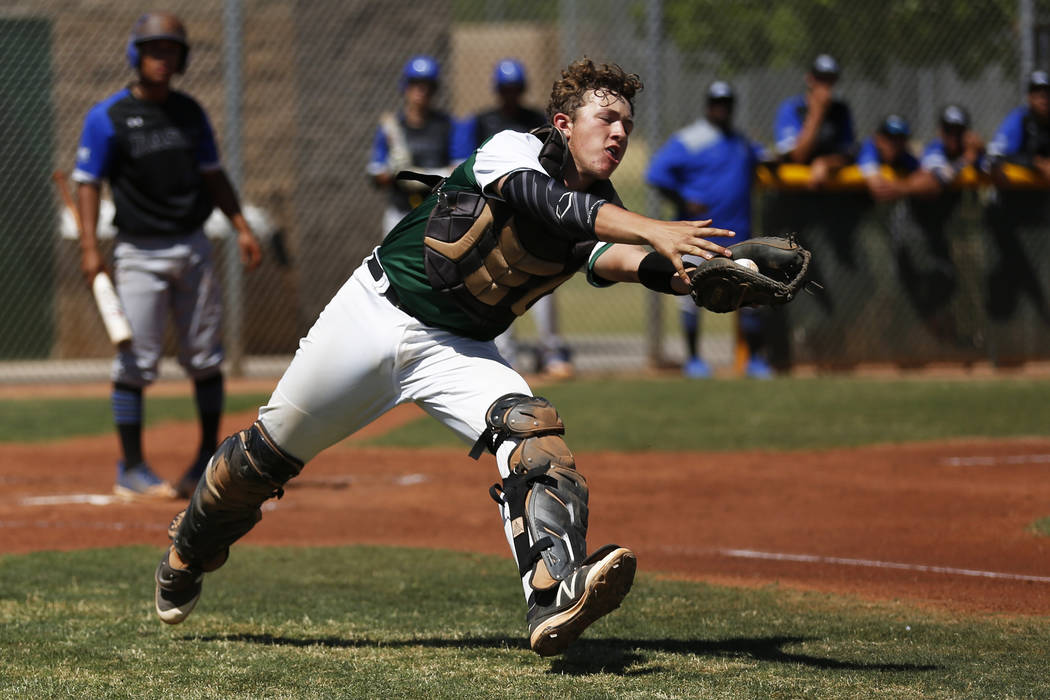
{"x":156,"y":148}
{"x":706,"y":171}
{"x":955,"y":148}
{"x":553,"y":356}
{"x":417,"y":137}
{"x":1024,"y":136}
{"x":509,"y":82}
{"x":816,"y":129}
{"x":889,"y":146}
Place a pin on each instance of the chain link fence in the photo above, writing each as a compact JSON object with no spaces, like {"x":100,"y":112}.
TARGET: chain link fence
{"x":295,"y":89}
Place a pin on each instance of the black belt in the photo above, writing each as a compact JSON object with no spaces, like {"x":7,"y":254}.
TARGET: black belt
{"x":376,"y":269}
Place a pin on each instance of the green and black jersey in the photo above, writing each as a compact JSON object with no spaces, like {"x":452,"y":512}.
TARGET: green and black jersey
{"x":403,"y":257}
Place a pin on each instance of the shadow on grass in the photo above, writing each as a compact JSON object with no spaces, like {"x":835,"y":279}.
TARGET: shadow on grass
{"x":615,"y":655}
{"x":591,"y":656}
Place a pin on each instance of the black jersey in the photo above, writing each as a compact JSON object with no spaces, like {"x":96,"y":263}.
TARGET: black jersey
{"x":493,"y":121}
{"x":153,"y":154}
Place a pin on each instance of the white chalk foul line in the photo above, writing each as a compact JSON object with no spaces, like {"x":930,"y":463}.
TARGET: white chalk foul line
{"x":992,"y":461}
{"x":94,"y":499}
{"x":874,"y":564}
{"x":78,"y":525}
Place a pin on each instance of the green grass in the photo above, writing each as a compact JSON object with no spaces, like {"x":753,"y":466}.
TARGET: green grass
{"x":368,"y":622}
{"x":1041,"y":527}
{"x":39,"y":420}
{"x":672,"y":414}
{"x":780,"y":414}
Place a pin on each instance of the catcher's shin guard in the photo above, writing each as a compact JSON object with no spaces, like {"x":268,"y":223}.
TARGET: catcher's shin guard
{"x":246,"y":470}
{"x":544,"y":496}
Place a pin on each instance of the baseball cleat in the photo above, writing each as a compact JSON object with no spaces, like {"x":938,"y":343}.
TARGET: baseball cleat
{"x":177,"y":591}
{"x":139,"y":482}
{"x":593,"y":590}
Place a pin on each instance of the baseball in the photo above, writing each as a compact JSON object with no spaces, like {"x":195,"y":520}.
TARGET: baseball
{"x":748,"y":263}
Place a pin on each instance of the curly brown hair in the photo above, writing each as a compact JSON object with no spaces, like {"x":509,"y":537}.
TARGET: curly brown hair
{"x":568,"y":92}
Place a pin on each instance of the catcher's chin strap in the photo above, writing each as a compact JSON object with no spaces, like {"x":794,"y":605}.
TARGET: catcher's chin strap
{"x":545,"y":497}
{"x":247,"y":469}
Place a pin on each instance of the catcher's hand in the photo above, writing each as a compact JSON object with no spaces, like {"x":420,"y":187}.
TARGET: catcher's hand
{"x":721,"y":285}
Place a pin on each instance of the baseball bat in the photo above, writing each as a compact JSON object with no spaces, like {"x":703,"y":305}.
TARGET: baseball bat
{"x":106,"y":299}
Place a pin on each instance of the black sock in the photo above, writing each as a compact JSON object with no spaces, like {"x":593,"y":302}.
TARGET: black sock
{"x":209,"y":394}
{"x":127,"y":413}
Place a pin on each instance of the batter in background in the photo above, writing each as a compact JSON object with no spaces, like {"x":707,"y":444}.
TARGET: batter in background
{"x":553,"y":356}
{"x":416,"y":321}
{"x":156,"y":148}
{"x":418,"y":137}
{"x":705,"y":170}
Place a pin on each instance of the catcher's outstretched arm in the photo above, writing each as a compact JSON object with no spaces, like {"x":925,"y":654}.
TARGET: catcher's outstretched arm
{"x":583,"y":216}
{"x":632,"y":263}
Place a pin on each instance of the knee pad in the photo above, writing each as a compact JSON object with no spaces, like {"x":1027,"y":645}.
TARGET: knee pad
{"x":520,"y":416}
{"x":545,"y":497}
{"x":246,"y":470}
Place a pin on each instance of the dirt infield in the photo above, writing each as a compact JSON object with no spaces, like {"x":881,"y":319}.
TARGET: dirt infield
{"x":941,"y":524}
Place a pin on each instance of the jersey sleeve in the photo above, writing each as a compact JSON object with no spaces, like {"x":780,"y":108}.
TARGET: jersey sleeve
{"x":464,"y":138}
{"x":596,"y":252}
{"x":934,"y":160}
{"x":207,"y":152}
{"x":95,"y":148}
{"x":377,"y":163}
{"x":1008,"y":138}
{"x":868,"y":159}
{"x":759,"y":153}
{"x":786,"y":127}
{"x":504,"y":153}
{"x":665,"y":167}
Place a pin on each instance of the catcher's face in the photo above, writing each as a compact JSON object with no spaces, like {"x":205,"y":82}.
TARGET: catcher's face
{"x":597,"y":133}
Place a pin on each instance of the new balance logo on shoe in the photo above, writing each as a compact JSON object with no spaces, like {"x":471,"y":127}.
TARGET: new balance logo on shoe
{"x":594,"y":590}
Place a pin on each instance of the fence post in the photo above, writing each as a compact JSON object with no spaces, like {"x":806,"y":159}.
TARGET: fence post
{"x":233,"y":160}
{"x":654,"y":130}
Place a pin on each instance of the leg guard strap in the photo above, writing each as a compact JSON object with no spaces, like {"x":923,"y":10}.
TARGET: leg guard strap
{"x":547,"y":507}
{"x":247,"y":469}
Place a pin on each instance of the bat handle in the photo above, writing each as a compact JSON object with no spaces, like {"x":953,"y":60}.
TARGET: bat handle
{"x":109,"y":307}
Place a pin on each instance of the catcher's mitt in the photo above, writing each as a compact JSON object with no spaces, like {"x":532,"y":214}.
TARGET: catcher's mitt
{"x":721,"y":285}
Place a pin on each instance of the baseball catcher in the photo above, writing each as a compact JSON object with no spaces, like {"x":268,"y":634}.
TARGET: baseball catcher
{"x":723,"y":284}
{"x":416,"y":322}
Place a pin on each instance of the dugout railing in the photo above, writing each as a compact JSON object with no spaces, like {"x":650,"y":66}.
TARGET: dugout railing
{"x":961,"y":278}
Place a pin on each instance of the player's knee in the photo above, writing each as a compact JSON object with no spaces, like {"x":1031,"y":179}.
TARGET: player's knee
{"x":248,"y":468}
{"x":245,"y":471}
{"x":535,"y":423}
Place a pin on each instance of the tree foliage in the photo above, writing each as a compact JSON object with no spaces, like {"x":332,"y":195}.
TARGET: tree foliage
{"x":866,"y":36}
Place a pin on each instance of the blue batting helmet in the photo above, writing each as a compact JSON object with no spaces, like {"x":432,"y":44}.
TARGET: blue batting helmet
{"x":508,"y":72}
{"x":154,"y":27}
{"x":421,"y":67}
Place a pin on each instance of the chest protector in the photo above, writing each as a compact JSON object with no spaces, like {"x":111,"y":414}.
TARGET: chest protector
{"x":497,"y":263}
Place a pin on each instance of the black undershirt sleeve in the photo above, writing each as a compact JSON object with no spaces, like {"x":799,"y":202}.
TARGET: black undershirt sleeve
{"x":550,"y":202}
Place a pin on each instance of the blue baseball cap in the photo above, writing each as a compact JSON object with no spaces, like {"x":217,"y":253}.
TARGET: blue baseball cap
{"x":955,"y":115}
{"x":1038,"y":80}
{"x":825,"y":65}
{"x":720,"y":90}
{"x":895,"y":125}
{"x":508,"y":72}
